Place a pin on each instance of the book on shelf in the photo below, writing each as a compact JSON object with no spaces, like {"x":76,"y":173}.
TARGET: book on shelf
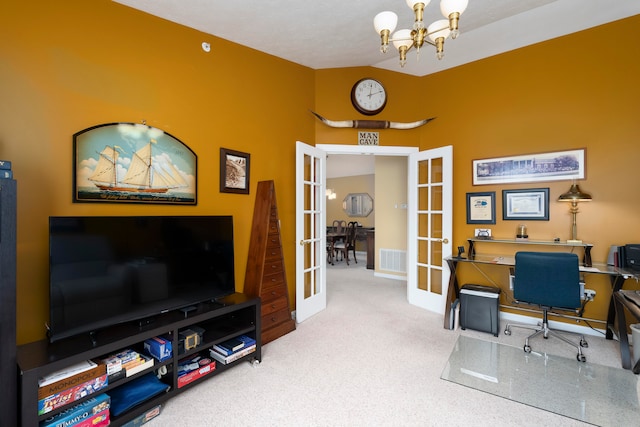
{"x":240,"y":342}
{"x":143,"y":362}
{"x":65,"y":382}
{"x":233,"y":357}
{"x":100,"y":419}
{"x":64,"y":397}
{"x":76,"y":369}
{"x":231,"y":345}
{"x":79,"y":413}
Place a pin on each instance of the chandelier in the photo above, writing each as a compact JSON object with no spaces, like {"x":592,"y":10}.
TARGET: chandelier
{"x":435,"y":34}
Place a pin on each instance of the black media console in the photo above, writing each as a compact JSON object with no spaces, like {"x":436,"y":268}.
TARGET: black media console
{"x":235,"y":315}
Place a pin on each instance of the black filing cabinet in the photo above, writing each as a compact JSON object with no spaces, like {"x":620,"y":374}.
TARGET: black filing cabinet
{"x":479,"y":308}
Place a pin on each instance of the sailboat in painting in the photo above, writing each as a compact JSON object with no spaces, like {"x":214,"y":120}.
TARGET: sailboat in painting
{"x":142,"y":176}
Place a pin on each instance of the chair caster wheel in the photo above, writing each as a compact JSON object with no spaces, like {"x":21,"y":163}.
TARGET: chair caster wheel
{"x":581,"y":358}
{"x":527,"y":349}
{"x":507,"y":331}
{"x":584,"y":343}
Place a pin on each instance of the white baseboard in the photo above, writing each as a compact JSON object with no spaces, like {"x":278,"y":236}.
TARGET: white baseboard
{"x":390,"y":276}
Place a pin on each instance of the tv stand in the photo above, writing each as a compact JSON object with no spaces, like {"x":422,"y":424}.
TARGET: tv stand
{"x":238,"y":315}
{"x":142,"y":323}
{"x":217,"y":304}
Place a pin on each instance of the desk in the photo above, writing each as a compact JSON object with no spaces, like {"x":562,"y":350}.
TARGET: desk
{"x":621,"y":302}
{"x":617,"y":276}
{"x":570,"y":246}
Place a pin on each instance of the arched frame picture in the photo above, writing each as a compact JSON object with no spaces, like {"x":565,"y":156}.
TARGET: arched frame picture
{"x":133,"y":163}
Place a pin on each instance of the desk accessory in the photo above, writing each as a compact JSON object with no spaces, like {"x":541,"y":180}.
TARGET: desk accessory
{"x":574,"y":195}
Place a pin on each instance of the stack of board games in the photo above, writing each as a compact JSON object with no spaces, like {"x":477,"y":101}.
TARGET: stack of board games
{"x":68,"y":385}
{"x":93,"y":412}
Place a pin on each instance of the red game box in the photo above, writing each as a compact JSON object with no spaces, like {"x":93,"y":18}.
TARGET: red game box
{"x":195,"y":374}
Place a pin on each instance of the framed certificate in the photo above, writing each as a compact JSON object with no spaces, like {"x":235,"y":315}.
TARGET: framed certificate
{"x":531,"y":204}
{"x":481,"y":208}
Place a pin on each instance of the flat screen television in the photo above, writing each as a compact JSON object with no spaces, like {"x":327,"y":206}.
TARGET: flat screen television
{"x":106,"y":270}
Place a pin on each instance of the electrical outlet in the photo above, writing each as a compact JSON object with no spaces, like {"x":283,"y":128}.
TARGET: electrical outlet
{"x":589,"y":294}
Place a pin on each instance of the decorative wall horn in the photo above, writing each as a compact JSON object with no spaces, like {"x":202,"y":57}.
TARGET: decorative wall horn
{"x":371,"y":124}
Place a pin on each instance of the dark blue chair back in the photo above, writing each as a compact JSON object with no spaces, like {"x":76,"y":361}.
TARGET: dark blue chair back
{"x":550,"y":279}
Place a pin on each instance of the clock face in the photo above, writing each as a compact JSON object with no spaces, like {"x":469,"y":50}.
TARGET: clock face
{"x":368,"y":96}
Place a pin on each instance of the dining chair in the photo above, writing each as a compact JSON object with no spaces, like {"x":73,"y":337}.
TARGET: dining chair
{"x":339,"y":225}
{"x":349,"y":244}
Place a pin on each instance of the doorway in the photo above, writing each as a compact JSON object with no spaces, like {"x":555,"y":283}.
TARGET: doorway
{"x":429,"y":212}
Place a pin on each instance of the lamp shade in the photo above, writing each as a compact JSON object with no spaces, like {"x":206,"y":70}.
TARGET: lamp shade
{"x":447,"y":7}
{"x":386,"y":20}
{"x":574,"y":195}
{"x":402,"y":38}
{"x":412,"y":3}
{"x":439,"y":29}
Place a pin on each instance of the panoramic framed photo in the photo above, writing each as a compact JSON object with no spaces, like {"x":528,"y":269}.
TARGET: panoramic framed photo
{"x":234,"y":171}
{"x":481,"y":208}
{"x":555,"y":166}
{"x":531,"y":204}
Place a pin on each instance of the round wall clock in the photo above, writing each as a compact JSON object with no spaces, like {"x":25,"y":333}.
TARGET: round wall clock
{"x":368,"y":96}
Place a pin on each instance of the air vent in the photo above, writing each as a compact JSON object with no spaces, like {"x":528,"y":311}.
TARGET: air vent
{"x":393,"y":260}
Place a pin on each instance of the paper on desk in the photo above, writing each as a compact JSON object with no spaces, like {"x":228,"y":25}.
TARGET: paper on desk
{"x":592,"y":269}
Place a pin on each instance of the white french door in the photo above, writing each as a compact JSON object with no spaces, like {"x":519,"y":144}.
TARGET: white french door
{"x":311,"y":289}
{"x":429,"y":230}
{"x":430,"y":207}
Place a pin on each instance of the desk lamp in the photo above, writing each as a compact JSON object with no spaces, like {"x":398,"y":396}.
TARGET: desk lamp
{"x":574,"y":195}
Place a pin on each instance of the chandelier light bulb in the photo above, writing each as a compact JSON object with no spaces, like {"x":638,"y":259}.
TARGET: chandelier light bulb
{"x":403,"y":41}
{"x":418,"y":10}
{"x":402,"y":38}
{"x":384,"y":23}
{"x":452,"y":9}
{"x":412,"y":3}
{"x":386,"y":20}
{"x":447,"y":7}
{"x":438,"y":32}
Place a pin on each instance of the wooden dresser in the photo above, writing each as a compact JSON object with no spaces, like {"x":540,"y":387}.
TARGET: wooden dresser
{"x":265,"y":276}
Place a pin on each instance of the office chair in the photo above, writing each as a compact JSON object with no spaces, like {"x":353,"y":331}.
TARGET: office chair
{"x":550,"y":280}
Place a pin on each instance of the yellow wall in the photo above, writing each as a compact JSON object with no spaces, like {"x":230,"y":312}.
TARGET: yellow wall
{"x":391,"y":197}
{"x":66,"y":66}
{"x":578,"y":91}
{"x":344,"y":186}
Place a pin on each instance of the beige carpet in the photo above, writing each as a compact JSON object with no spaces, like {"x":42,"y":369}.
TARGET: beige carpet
{"x":369,"y":359}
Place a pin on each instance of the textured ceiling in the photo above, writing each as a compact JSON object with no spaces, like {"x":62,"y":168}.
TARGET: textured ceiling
{"x":339,"y":33}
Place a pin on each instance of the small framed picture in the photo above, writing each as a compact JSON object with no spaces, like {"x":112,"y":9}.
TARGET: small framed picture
{"x":531,"y":204}
{"x":481,"y":208}
{"x":234,"y":171}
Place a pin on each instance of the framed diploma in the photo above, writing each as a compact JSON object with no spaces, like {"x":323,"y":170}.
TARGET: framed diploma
{"x":481,"y":208}
{"x":531,"y":204}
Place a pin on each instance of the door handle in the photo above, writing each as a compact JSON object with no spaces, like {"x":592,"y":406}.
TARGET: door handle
{"x":445,"y":240}
{"x":302,"y":242}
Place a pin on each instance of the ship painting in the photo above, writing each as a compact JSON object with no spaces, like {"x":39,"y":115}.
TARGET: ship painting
{"x":141,"y":177}
{"x":133,"y":163}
